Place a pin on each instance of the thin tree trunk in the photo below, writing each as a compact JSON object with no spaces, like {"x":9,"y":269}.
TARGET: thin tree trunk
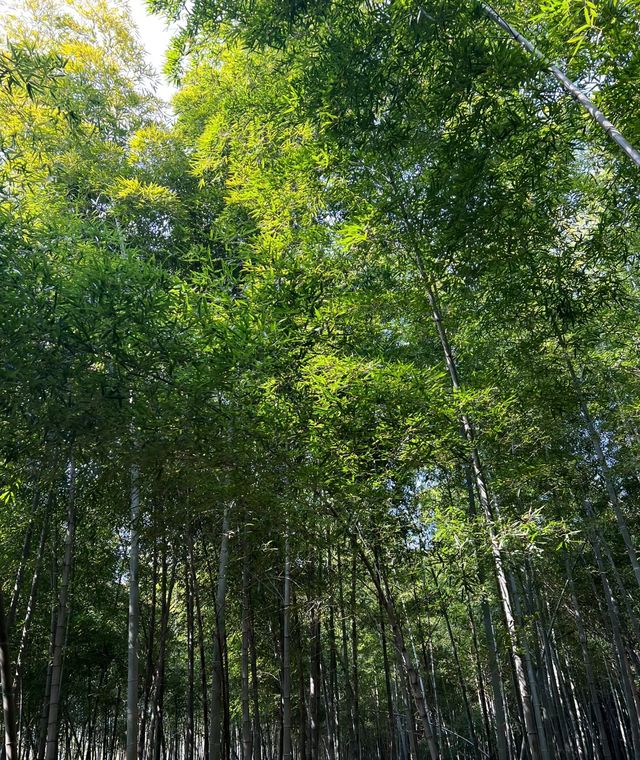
{"x":201,"y":645}
{"x":93,"y":718}
{"x":286,"y":657}
{"x":355,"y":681}
{"x":134,"y":617}
{"x":482,"y":697}
{"x":413,"y":678}
{"x":329,"y":723}
{"x":483,"y":496}
{"x":302,"y":701}
{"x":428,"y":659}
{"x":499,"y":705}
{"x":32,"y":595}
{"x":190,"y":727}
{"x":559,"y":705}
{"x":344,"y":649}
{"x":533,"y":683}
{"x":26,"y":548}
{"x":387,"y":682}
{"x":314,"y":681}
{"x":247,"y":733}
{"x":625,"y":747}
{"x":468,"y":433}
{"x":257,"y":727}
{"x":409,"y":716}
{"x":334,"y":700}
{"x":148,"y":679}
{"x":570,"y":87}
{"x":61,"y":622}
{"x":8,"y":703}
{"x":619,"y":649}
{"x":44,"y":713}
{"x":388,"y":604}
{"x":26,"y":623}
{"x":596,"y":442}
{"x":625,"y":596}
{"x":217,"y":686}
{"x":166,"y":592}
{"x":226,"y":698}
{"x":456,"y":659}
{"x":114,"y":733}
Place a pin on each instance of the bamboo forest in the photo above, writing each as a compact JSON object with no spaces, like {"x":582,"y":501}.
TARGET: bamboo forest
{"x":320,"y":380}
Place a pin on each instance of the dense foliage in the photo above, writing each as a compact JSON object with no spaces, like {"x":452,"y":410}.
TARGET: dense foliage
{"x":320,"y":393}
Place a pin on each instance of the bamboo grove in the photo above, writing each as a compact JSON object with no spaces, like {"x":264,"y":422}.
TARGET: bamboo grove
{"x":320,"y":390}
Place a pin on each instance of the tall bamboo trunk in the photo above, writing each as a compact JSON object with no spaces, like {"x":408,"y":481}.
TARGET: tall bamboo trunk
{"x":481,"y":691}
{"x":91,"y":744}
{"x":387,"y":682}
{"x":189,"y":742}
{"x":456,"y":660}
{"x":488,"y":512}
{"x":255,"y":695}
{"x":625,"y":597}
{"x":201,"y":644}
{"x":409,"y":718}
{"x":335,"y":748}
{"x":499,"y":704}
{"x":286,"y":656}
{"x":51,"y":752}
{"x":32,"y":593}
{"x":605,"y":472}
{"x":413,"y":677}
{"x":247,"y":732}
{"x":536,"y":701}
{"x":134,"y":617}
{"x":559,"y":708}
{"x":148,"y":677}
{"x":226,"y":698}
{"x":344,"y":652}
{"x":568,"y":86}
{"x":217,"y":665}
{"x":44,"y":712}
{"x":618,"y":642}
{"x":24,"y":557}
{"x":26,"y":623}
{"x":6,"y":679}
{"x":355,"y":680}
{"x":157,"y":711}
{"x":314,"y":682}
{"x":298,"y":646}
{"x":387,"y":601}
{"x":114,"y":731}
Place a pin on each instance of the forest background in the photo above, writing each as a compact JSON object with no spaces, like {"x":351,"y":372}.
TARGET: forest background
{"x":320,"y":389}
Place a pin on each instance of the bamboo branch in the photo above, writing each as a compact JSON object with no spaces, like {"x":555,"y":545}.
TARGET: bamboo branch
{"x":570,"y":87}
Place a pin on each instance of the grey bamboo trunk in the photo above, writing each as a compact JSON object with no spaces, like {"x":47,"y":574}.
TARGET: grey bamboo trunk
{"x":51,"y":752}
{"x":570,"y":87}
{"x":247,"y":733}
{"x":8,"y":703}
{"x":134,"y":615}
{"x":483,"y":496}
{"x":216,"y":707}
{"x":286,"y":658}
